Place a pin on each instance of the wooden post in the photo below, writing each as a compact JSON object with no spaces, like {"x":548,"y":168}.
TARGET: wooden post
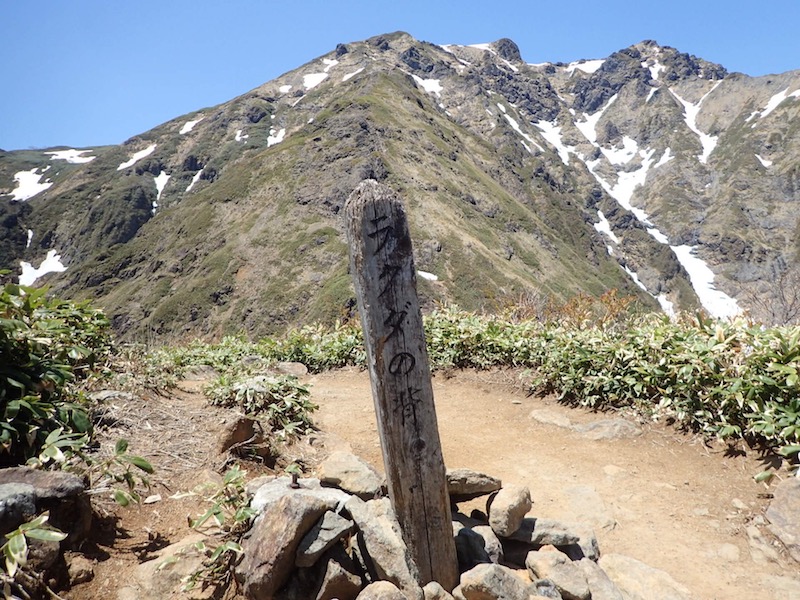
{"x":382,"y":266}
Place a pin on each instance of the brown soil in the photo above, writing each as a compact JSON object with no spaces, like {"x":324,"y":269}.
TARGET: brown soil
{"x":667,"y":499}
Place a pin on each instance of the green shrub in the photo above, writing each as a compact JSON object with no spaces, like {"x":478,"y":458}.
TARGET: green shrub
{"x":46,"y":347}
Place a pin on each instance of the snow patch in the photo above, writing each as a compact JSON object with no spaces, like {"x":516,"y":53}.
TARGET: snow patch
{"x":708,"y":142}
{"x":161,"y":181}
{"x":313,"y":80}
{"x":195,"y":179}
{"x":432,"y":86}
{"x":764,"y":162}
{"x":589,"y":127}
{"x":655,"y":69}
{"x":137,"y":156}
{"x":665,"y":158}
{"x":71,"y":156}
{"x":650,"y":94}
{"x":605,"y":227}
{"x":29,"y":184}
{"x":353,"y":74}
{"x":428,"y":276}
{"x":275,"y":137}
{"x":51,"y":264}
{"x":633,"y":275}
{"x":774,"y":102}
{"x":659,"y":237}
{"x":552,"y":133}
{"x":515,"y":126}
{"x":717,"y":303}
{"x":30,"y":239}
{"x":239,"y":136}
{"x":587,"y":66}
{"x":189,"y":125}
{"x":667,"y":306}
{"x":329,"y":63}
{"x":624,"y":155}
{"x":284,"y":89}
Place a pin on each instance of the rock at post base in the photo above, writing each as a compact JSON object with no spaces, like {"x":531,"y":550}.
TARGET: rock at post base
{"x":466,"y":484}
{"x":350,"y":473}
{"x":489,"y":581}
{"x":507,"y":508}
{"x":638,"y":581}
{"x":381,"y":590}
{"x":568,"y":578}
{"x":325,"y":533}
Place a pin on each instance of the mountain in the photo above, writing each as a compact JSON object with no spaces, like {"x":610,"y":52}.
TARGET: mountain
{"x":651,"y":171}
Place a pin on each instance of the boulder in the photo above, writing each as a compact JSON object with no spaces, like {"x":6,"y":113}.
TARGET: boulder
{"x":350,"y":473}
{"x":339,"y":583}
{"x":608,"y":429}
{"x":541,"y":532}
{"x":434,"y":591}
{"x":273,"y":490}
{"x":271,"y":545}
{"x":492,"y":582}
{"x":568,"y":577}
{"x":384,"y":545}
{"x":26,"y":493}
{"x":638,"y":581}
{"x":507,"y":508}
{"x":163,"y":576}
{"x":381,"y":590}
{"x":784,"y":515}
{"x":466,"y":484}
{"x":325,"y":533}
{"x":600,"y":585}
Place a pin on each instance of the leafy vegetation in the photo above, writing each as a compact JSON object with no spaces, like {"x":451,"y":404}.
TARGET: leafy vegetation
{"x":47,"y":346}
{"x":729,"y":379}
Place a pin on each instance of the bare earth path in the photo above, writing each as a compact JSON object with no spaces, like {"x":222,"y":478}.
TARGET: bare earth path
{"x":660,"y":497}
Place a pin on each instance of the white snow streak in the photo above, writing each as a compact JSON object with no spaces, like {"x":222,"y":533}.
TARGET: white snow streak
{"x":329,"y":63}
{"x":29,"y":184}
{"x":717,"y":303}
{"x":240,"y":137}
{"x":635,"y":276}
{"x":195,"y":179}
{"x":137,"y":156}
{"x":605,"y":227}
{"x":667,"y":306}
{"x":650,"y":94}
{"x":589,"y":127}
{"x":313,"y":80}
{"x":275,"y":137}
{"x":30,"y":238}
{"x":161,"y":182}
{"x":624,"y":155}
{"x":428,"y":276}
{"x":432,"y":86}
{"x":665,"y":158}
{"x":587,"y":66}
{"x":51,"y":264}
{"x":708,"y":142}
{"x":515,"y":126}
{"x":189,"y":125}
{"x":774,"y":102}
{"x":72,"y":156}
{"x":284,"y":89}
{"x":353,"y":74}
{"x":764,"y":162}
{"x":552,"y":133}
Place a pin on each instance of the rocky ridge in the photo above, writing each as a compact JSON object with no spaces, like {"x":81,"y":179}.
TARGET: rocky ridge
{"x":651,"y":171}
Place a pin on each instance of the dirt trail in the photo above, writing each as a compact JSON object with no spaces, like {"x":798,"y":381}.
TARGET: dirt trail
{"x":660,"y":497}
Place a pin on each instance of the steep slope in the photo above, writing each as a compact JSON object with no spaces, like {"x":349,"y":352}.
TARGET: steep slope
{"x":636,"y":172}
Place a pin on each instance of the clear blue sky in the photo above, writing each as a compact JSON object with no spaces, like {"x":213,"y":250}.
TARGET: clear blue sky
{"x":89,"y":72}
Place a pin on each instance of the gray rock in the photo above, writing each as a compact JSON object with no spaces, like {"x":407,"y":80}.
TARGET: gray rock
{"x":384,"y":543}
{"x":103,"y":396}
{"x":544,"y":588}
{"x":587,"y":506}
{"x":79,"y":569}
{"x":492,"y":582}
{"x":240,"y":431}
{"x":350,"y":473}
{"x":507,"y":508}
{"x":200,"y":373}
{"x":271,"y":545}
{"x":291,"y":368}
{"x":556,"y":566}
{"x":26,"y":493}
{"x":274,"y":490}
{"x":162,"y":577}
{"x":608,"y":429}
{"x":781,"y":587}
{"x":381,"y":590}
{"x":541,"y":532}
{"x":638,"y":581}
{"x":339,"y":583}
{"x":784,"y":515}
{"x":466,"y":484}
{"x":547,"y":416}
{"x":761,"y":551}
{"x":476,"y":545}
{"x":600,"y":585}
{"x":325,"y":533}
{"x":434,"y":591}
